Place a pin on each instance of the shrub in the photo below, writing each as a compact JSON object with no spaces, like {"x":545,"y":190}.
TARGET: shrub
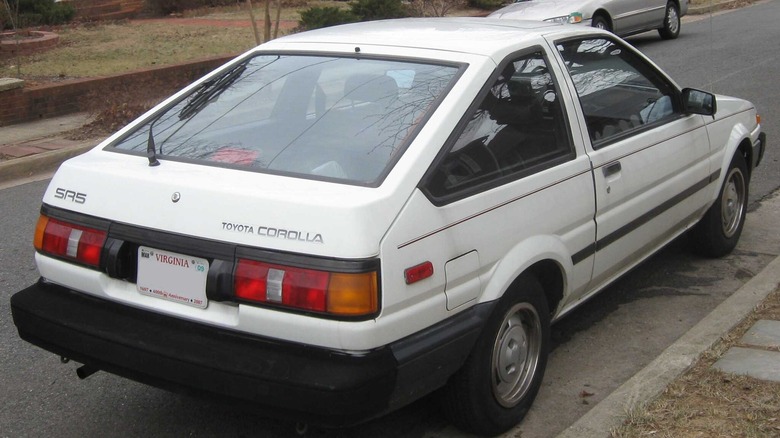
{"x":433,"y":8}
{"x":59,"y":13}
{"x":37,"y":12}
{"x":486,"y":5}
{"x":317,"y":17}
{"x":166,"y":7}
{"x":367,"y":10}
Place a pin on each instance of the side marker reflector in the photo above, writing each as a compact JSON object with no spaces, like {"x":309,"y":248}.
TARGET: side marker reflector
{"x":418,"y":272}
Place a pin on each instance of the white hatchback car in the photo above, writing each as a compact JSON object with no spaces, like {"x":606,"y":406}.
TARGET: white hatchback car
{"x":623,"y":17}
{"x":341,"y":221}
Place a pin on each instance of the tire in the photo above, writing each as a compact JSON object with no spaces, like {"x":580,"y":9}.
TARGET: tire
{"x":494,"y":389}
{"x":718,"y":231}
{"x":671,"y":27}
{"x":599,"y":22}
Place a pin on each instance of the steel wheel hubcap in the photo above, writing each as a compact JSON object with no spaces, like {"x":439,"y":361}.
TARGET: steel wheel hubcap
{"x":732,"y":202}
{"x":516,"y":354}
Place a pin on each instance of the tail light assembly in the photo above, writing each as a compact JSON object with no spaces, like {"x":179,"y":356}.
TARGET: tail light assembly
{"x":328,"y":292}
{"x":76,"y":243}
{"x":343,"y":289}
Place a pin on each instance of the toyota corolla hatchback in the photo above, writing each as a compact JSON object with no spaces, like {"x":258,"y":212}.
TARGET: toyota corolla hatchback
{"x":623,"y":17}
{"x":339,"y":222}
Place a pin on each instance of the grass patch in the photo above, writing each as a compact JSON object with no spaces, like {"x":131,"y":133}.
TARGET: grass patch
{"x":106,"y":49}
{"x":705,"y":402}
{"x":102,"y":49}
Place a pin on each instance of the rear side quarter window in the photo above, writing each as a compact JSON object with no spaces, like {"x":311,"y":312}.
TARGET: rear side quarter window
{"x":515,"y":128}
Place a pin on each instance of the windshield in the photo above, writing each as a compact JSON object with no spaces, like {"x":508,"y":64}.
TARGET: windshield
{"x":343,"y":119}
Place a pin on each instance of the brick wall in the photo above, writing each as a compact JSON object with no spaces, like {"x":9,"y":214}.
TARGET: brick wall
{"x":42,"y":101}
{"x":10,"y":47}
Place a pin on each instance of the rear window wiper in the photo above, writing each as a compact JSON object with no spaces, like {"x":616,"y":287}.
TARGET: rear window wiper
{"x":207,"y":91}
{"x":210,"y":89}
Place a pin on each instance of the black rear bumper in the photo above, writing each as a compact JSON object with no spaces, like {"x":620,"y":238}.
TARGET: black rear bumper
{"x":296,"y":381}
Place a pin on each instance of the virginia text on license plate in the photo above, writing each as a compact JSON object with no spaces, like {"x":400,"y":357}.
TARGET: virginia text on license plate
{"x":172,"y":276}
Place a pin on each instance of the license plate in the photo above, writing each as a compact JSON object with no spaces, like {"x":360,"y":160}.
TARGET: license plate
{"x":172,"y":276}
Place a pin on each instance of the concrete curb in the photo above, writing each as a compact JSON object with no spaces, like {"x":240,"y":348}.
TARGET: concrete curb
{"x":26,"y":167}
{"x":714,"y":7}
{"x":650,"y":381}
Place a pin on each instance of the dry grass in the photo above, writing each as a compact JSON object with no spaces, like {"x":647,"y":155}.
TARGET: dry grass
{"x":105,"y":49}
{"x":705,"y":402}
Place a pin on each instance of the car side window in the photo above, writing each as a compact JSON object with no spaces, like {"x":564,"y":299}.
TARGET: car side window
{"x":619,"y":92}
{"x":518,"y":128}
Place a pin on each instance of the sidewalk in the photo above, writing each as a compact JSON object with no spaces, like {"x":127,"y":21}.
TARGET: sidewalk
{"x":38,"y":148}
{"x":677,"y":358}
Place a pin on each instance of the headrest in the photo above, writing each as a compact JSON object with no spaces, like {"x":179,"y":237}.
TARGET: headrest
{"x":370,"y":88}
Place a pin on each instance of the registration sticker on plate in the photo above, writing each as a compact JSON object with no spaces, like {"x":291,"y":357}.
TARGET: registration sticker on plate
{"x":172,"y":276}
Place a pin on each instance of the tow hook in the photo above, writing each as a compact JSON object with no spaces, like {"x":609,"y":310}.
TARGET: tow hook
{"x":85,"y":371}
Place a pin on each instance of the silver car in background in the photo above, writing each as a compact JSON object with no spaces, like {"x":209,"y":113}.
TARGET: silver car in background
{"x":622,"y":17}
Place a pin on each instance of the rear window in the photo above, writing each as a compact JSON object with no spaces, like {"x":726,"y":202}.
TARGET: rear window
{"x":332,"y":118}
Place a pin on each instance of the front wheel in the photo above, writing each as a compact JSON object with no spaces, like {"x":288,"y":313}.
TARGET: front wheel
{"x":500,"y":379}
{"x":671,"y":27}
{"x":719,"y":230}
{"x":600,"y":22}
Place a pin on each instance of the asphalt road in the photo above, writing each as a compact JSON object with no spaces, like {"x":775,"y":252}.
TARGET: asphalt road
{"x":736,"y":53}
{"x":597,"y":348}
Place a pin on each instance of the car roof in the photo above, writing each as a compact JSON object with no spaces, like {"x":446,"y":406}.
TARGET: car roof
{"x":474,"y":35}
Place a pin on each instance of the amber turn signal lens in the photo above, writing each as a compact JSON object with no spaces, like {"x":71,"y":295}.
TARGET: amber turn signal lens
{"x":40,"y":228}
{"x":352,"y":294}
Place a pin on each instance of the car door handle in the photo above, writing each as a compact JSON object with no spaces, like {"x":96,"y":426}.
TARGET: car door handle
{"x":611,"y":169}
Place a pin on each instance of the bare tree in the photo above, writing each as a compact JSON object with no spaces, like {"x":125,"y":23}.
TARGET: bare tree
{"x":267,"y":23}
{"x":434,"y":8}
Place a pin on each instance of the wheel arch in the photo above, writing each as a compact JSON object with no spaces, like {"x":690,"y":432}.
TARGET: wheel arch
{"x":746,"y":149}
{"x":738,"y":143}
{"x":551,"y":277}
{"x":550,"y":267}
{"x":601,"y":12}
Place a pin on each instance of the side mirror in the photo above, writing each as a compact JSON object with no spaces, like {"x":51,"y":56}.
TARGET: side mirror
{"x":699,"y":102}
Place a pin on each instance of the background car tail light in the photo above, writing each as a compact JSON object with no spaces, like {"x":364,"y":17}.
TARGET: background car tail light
{"x":344,"y":294}
{"x":69,"y":241}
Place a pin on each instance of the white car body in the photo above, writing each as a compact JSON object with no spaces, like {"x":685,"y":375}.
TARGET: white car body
{"x":623,"y":17}
{"x":478,"y":244}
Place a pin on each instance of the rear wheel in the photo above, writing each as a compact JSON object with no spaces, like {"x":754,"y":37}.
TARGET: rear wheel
{"x":671,"y":27}
{"x":718,"y":231}
{"x":500,"y":379}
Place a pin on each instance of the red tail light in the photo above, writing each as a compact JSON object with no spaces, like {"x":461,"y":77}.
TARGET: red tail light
{"x":69,"y":241}
{"x":343,"y":294}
